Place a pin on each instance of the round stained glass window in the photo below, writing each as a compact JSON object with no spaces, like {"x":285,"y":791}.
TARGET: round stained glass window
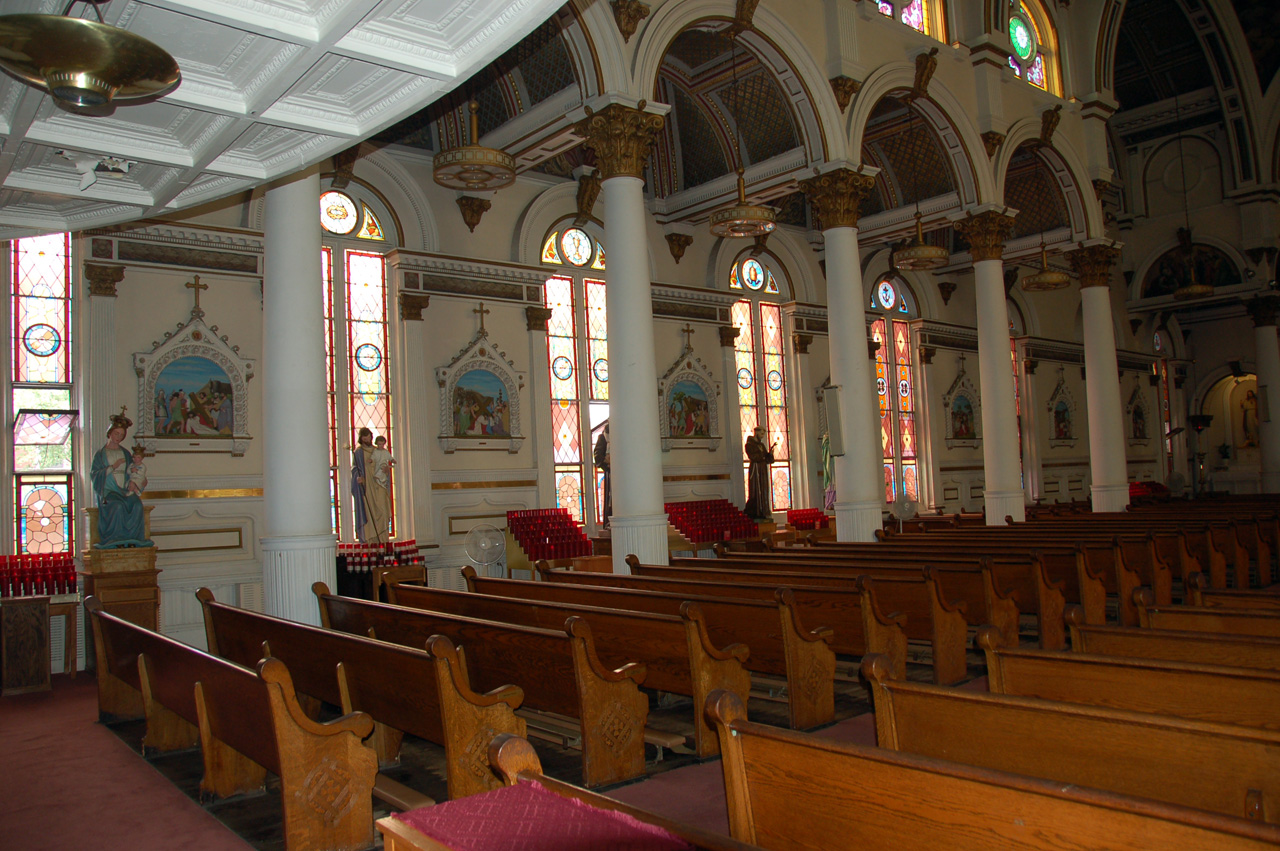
{"x":904,"y":388}
{"x":1022,"y":36}
{"x":576,"y":246}
{"x":600,"y":369}
{"x":744,"y":378}
{"x":338,"y":213}
{"x":368,"y":357}
{"x":886,"y":295}
{"x":775,"y":380}
{"x":562,"y":368}
{"x":882,"y":386}
{"x":1158,"y":341}
{"x":753,"y":274}
{"x":41,"y":340}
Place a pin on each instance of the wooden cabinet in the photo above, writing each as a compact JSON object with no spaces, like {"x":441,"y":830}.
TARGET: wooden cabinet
{"x":131,"y":595}
{"x":24,"y":645}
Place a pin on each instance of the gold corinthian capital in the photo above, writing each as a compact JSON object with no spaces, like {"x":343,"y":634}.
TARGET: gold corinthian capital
{"x":836,"y":196}
{"x":986,"y":233}
{"x":621,"y":137}
{"x":1093,"y":264}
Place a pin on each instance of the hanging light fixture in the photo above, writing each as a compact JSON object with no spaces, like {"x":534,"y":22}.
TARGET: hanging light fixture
{"x":1189,"y":290}
{"x":918,"y":255}
{"x":741,"y":219}
{"x":1046,"y":278}
{"x":84,"y":63}
{"x":473,"y":168}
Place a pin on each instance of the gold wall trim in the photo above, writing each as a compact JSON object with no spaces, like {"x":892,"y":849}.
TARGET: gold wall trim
{"x":453,"y":486}
{"x":709,"y":477}
{"x":209,"y":493}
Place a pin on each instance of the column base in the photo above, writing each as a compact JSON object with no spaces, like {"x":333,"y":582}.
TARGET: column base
{"x":1002,"y":504}
{"x":289,"y":566}
{"x":644,"y":536}
{"x":858,"y":521}
{"x":1108,"y":498}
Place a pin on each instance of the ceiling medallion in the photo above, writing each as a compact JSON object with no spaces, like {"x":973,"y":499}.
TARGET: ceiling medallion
{"x":1046,"y":278}
{"x":84,"y":63}
{"x":474,"y":167}
{"x":918,"y":255}
{"x":743,"y":219}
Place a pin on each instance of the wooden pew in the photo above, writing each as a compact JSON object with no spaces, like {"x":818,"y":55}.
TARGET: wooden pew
{"x":1202,"y":594}
{"x":559,"y":672}
{"x":790,"y":791}
{"x":1205,"y":648}
{"x":248,"y":722}
{"x":778,"y":644}
{"x":1223,"y":768}
{"x":901,"y":600}
{"x":1215,"y":693}
{"x":404,"y":689}
{"x":518,"y":764}
{"x":1193,"y":619}
{"x":677,"y":651}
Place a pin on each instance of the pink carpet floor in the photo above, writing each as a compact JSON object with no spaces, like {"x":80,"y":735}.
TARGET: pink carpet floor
{"x":67,"y":782}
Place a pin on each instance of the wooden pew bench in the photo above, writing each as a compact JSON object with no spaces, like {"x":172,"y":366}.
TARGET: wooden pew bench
{"x":1200,"y":593}
{"x":1208,"y":619}
{"x":558,"y":670}
{"x":516,"y":760}
{"x":1215,"y":693}
{"x":676,"y":650}
{"x":247,"y":722}
{"x":778,"y":645}
{"x":404,"y":689}
{"x":790,"y":791}
{"x":1223,"y":768}
{"x":1207,"y":648}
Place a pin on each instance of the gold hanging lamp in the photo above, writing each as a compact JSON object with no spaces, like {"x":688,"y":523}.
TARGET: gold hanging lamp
{"x":1046,"y":278}
{"x":473,"y":167}
{"x":1192,"y":290}
{"x":85,"y":63}
{"x":741,"y":219}
{"x":918,"y":255}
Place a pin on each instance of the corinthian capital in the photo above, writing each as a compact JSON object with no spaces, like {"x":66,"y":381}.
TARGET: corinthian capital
{"x":621,"y":137}
{"x":103,"y":279}
{"x":1263,"y":309}
{"x":1093,"y":264}
{"x":836,"y":196}
{"x":986,"y":233}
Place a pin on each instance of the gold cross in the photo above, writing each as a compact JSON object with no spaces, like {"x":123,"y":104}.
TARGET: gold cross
{"x":482,"y":311}
{"x":687,"y":330}
{"x":197,"y":286}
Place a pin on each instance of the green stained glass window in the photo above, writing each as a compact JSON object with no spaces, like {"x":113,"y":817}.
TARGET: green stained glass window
{"x":1022,"y":36}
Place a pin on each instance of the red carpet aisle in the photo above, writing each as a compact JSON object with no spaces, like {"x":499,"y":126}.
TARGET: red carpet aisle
{"x":67,"y":782}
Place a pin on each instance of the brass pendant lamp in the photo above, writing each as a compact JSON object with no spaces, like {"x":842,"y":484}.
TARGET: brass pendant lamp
{"x":84,"y":63}
{"x":1046,"y":278}
{"x":473,"y":167}
{"x":1191,"y":290}
{"x":741,"y":219}
{"x":918,"y":255}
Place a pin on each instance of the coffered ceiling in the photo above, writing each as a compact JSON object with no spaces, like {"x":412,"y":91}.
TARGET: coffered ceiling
{"x":269,"y":87}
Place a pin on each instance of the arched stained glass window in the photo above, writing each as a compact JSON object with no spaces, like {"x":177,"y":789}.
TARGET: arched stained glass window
{"x":895,"y":388}
{"x":578,"y":360}
{"x":1034,"y":45}
{"x":921,"y":15}
{"x":371,"y":229}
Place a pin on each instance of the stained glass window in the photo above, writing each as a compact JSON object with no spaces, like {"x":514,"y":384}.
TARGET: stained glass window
{"x":42,"y":309}
{"x":331,"y":397}
{"x":913,"y":15}
{"x":578,"y":362}
{"x":895,"y":390}
{"x":917,"y":14}
{"x":44,"y":513}
{"x":752,"y":274}
{"x":1028,"y":60}
{"x":734,"y":283}
{"x":371,"y":229}
{"x":369,"y":390}
{"x":338,"y":213}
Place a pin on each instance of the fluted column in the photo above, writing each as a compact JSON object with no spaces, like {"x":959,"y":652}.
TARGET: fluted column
{"x":1002,"y":489}
{"x":1263,"y":310}
{"x":732,"y":415}
{"x":836,"y":196}
{"x":298,"y":544}
{"x":99,"y":364}
{"x":412,"y":449}
{"x":621,"y":137}
{"x":536,"y":319}
{"x":1108,"y":465}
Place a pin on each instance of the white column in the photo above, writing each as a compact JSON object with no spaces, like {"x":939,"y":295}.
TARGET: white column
{"x":298,"y":544}
{"x":1108,"y":466}
{"x":621,"y":137}
{"x":100,"y":366}
{"x":639,"y":524}
{"x":412,"y":450}
{"x":540,"y":389}
{"x":732,"y":416}
{"x":1267,"y":362}
{"x":1002,"y":486}
{"x":859,"y":479}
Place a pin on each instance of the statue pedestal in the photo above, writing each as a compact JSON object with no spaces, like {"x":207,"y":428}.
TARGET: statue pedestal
{"x":124,"y":581}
